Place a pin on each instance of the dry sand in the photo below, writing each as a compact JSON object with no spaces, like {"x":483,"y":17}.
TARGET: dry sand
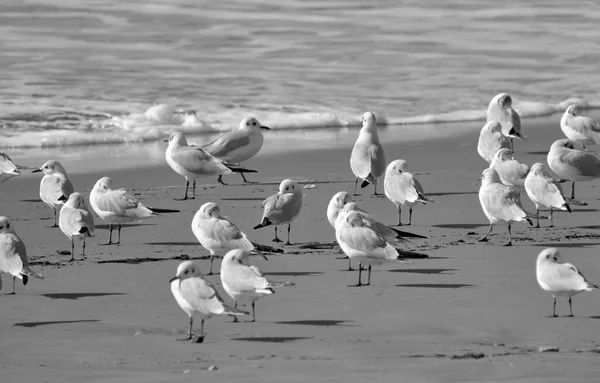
{"x":469,"y":312}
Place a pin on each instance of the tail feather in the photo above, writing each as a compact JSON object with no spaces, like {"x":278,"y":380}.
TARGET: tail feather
{"x":233,"y":311}
{"x":407,"y":234}
{"x":31,"y":273}
{"x":423,"y":198}
{"x":238,"y":168}
{"x":156,"y":210}
{"x":265,"y":222}
{"x":568,"y":207}
{"x":364,"y":184}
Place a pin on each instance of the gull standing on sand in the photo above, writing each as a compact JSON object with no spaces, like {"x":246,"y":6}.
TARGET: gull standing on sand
{"x":501,"y":203}
{"x":238,"y":145}
{"x":362,"y":241}
{"x":8,"y":169}
{"x":216,"y":233}
{"x":195,"y":295}
{"x":402,"y":188}
{"x":55,"y":187}
{"x":367,"y":159}
{"x":336,"y":204}
{"x":491,"y":140}
{"x":282,"y":207}
{"x":500,"y":109}
{"x":512,"y":173}
{"x":193,"y":162}
{"x":116,"y":206}
{"x":560,"y":278}
{"x":13,"y":255}
{"x":243,"y":281}
{"x":572,"y":164}
{"x":580,"y":129}
{"x":543,"y":190}
{"x":76,"y":221}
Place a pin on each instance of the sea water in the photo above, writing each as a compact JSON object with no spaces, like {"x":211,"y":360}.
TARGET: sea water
{"x":98,"y":72}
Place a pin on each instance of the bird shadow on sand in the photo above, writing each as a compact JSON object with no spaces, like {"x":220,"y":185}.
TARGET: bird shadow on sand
{"x":566,"y":244}
{"x":104,"y":226}
{"x":319,"y":322}
{"x":588,"y":227}
{"x":273,"y":339}
{"x":243,"y":199}
{"x":539,"y":153}
{"x":135,"y":261}
{"x":77,"y":295}
{"x":293,"y":273}
{"x":36,"y":324}
{"x":173,"y":243}
{"x":422,"y":271}
{"x":460,"y":225}
{"x":437,"y":285}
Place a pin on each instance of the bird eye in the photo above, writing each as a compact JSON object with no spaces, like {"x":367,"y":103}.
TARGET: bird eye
{"x":7,"y":226}
{"x":186,"y":272}
{"x":192,"y":271}
{"x":254,"y":123}
{"x":1,"y":227}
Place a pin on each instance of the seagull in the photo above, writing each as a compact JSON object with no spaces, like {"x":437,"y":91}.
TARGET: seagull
{"x":512,"y":173}
{"x":195,"y":295}
{"x":367,"y":159}
{"x":491,"y":139}
{"x":560,"y":278}
{"x":282,"y":207}
{"x":501,"y":203}
{"x":193,"y":162}
{"x":580,"y":129}
{"x":543,"y":190}
{"x":13,"y":255}
{"x":76,"y":221}
{"x":216,"y":233}
{"x":572,"y":164}
{"x":116,"y":206}
{"x":243,"y":281}
{"x":55,"y":187}
{"x":238,"y":145}
{"x":336,"y":204}
{"x":8,"y":169}
{"x":402,"y":188}
{"x":500,"y":109}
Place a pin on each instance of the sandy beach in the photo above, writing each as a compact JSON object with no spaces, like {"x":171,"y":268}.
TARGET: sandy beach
{"x":468,"y":312}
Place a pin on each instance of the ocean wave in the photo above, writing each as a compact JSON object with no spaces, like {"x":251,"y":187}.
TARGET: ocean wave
{"x":70,"y":128}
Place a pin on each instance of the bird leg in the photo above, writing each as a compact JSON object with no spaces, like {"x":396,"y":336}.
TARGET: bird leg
{"x":211,"y":262}
{"x":537,"y":212}
{"x":235,"y":307}
{"x":409,"y":215}
{"x":276,"y":239}
{"x":551,"y":217}
{"x":375,"y":188}
{"x":484,"y":238}
{"x":369,"y":277}
{"x":355,"y":182}
{"x":570,"y":307}
{"x":350,"y":264}
{"x":194,"y":189}
{"x":83,"y":249}
{"x":509,"y":243}
{"x":54,"y":211}
{"x":289,"y":228}
{"x":187,"y":186}
{"x":109,"y":234}
{"x":220,"y":180}
{"x":119,"y":235}
{"x":254,"y":317}
{"x":13,"y":290}
{"x":189,"y":334}
{"x":572,"y":189}
{"x":554,"y":308}
{"x":246,"y":181}
{"x":399,"y":215}
{"x":359,"y":275}
{"x":512,"y":145}
{"x":72,"y":250}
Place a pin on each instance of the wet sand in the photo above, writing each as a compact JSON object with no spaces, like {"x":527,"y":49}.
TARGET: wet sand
{"x":468,"y":312}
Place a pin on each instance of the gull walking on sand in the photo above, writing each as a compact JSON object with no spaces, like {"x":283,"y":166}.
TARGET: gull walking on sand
{"x":367,"y":159}
{"x":193,"y":162}
{"x":560,"y":278}
{"x":491,"y":139}
{"x":216,"y":233}
{"x":13,"y":255}
{"x":544,"y":190}
{"x":282,"y":207}
{"x":512,"y":173}
{"x":336,"y":204}
{"x":196,"y":296}
{"x":501,"y":204}
{"x":55,"y":187}
{"x":500,"y":109}
{"x":76,"y":221}
{"x":116,"y":206}
{"x":238,"y":145}
{"x":402,"y":188}
{"x":8,"y":169}
{"x":243,"y":281}
{"x":580,"y":129}
{"x":364,"y":242}
{"x":572,"y":164}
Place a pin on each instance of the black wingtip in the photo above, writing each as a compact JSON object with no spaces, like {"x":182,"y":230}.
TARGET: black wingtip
{"x":407,"y":234}
{"x":568,"y":208}
{"x":155,"y":210}
{"x":364,"y":184}
{"x":84,"y":230}
{"x":530,"y":221}
{"x":238,"y":169}
{"x":62,"y":198}
{"x":25,"y":279}
{"x":265,"y":222}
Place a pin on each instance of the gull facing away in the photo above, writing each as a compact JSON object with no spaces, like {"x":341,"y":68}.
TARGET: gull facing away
{"x":196,"y":296}
{"x":572,"y":164}
{"x":336,"y":204}
{"x":8,"y":169}
{"x":239,"y":144}
{"x":367,"y":159}
{"x":500,"y":109}
{"x":76,"y":221}
{"x":402,"y":188}
{"x":216,"y":233}
{"x":55,"y":187}
{"x":243,"y":281}
{"x":13,"y":255}
{"x":560,"y":278}
{"x":363,"y":241}
{"x":580,"y":129}
{"x":491,"y":139}
{"x":501,"y":204}
{"x":193,"y":162}
{"x":544,"y":190}
{"x":512,"y":173}
{"x":282,"y":207}
{"x":116,"y":206}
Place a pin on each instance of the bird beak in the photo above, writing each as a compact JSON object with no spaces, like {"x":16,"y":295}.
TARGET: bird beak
{"x":174,"y":278}
{"x":265,"y":127}
{"x":167,"y":140}
{"x":254,"y":252}
{"x":36,"y":171}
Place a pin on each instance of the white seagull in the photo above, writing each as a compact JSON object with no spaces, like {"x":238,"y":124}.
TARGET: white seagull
{"x":367,"y":159}
{"x":336,"y":204}
{"x":491,"y":139}
{"x":76,"y":221}
{"x":500,"y":109}
{"x":512,"y":173}
{"x":578,"y":128}
{"x":55,"y":187}
{"x":544,"y":190}
{"x":282,"y":208}
{"x":402,"y":188}
{"x":572,"y":164}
